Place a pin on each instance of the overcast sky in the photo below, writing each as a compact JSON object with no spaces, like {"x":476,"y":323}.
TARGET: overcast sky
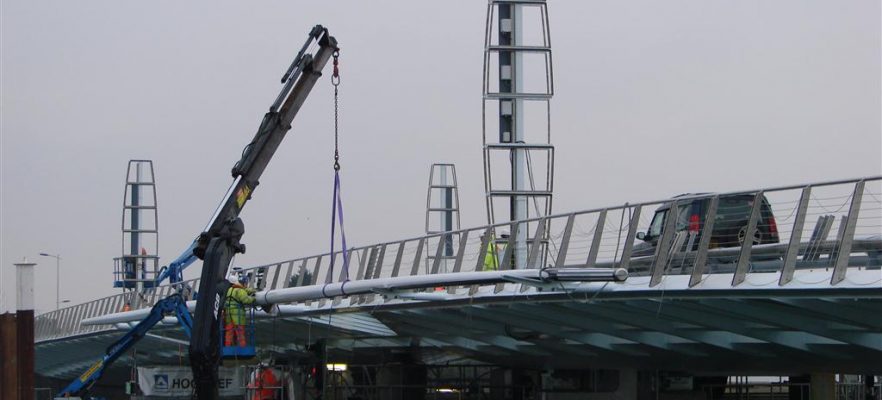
{"x":651,"y":99}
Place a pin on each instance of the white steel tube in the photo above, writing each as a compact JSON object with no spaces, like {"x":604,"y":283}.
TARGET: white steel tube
{"x":316,"y":292}
{"x":295,"y":294}
{"x":129,"y":316}
{"x":128,"y":319}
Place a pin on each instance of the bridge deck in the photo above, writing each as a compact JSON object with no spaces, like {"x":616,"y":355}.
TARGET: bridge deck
{"x":809,"y":301}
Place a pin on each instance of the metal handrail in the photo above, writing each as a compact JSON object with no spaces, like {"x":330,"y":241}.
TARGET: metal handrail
{"x":599,"y":237}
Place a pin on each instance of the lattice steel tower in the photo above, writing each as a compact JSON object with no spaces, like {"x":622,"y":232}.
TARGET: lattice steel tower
{"x":518,"y":86}
{"x":137,"y":268}
{"x":442,"y":213}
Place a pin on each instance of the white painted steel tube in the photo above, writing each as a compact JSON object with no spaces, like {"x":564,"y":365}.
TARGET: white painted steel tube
{"x":129,"y":316}
{"x":315,"y":292}
{"x":295,"y":294}
{"x":127,"y":320}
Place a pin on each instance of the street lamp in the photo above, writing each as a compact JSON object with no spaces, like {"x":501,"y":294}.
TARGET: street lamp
{"x":57,"y":258}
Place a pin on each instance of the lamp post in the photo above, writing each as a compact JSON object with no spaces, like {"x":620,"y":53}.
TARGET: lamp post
{"x":57,"y":258}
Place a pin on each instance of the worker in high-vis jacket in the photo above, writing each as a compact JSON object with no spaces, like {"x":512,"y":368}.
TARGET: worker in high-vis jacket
{"x":238,"y":296}
{"x":495,"y":249}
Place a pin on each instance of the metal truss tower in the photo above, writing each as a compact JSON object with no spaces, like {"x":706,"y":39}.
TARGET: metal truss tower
{"x":518,"y":86}
{"x":442,"y":212}
{"x":136,"y":270}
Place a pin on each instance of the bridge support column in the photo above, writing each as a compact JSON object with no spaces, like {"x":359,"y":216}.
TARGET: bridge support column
{"x":402,"y":382}
{"x":823,"y":386}
{"x":797,"y":389}
{"x":646,"y":385}
{"x":627,"y":388}
{"x":514,"y":384}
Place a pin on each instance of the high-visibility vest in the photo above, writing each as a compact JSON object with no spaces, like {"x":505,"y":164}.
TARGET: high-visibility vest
{"x":234,"y":309}
{"x":494,"y":250}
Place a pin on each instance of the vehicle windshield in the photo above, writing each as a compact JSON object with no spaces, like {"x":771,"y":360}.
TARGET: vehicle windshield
{"x":683,"y":216}
{"x":658,"y":221}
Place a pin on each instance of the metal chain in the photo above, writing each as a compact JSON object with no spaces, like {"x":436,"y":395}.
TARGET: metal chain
{"x":335,"y":80}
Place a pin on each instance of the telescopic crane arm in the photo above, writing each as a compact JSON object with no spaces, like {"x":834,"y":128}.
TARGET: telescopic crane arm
{"x":220,"y":240}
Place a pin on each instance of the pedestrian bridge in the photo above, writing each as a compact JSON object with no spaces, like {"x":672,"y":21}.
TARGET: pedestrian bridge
{"x":806,"y":299}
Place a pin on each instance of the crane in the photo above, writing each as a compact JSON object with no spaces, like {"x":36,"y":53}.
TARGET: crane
{"x":220,"y":240}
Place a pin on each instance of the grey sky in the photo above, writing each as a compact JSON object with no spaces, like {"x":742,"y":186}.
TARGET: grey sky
{"x":652,"y":99}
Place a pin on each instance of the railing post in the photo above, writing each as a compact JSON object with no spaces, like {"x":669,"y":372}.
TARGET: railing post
{"x":633,"y":222}
{"x":536,"y":246}
{"x":463,"y":241}
{"x":663,"y":247}
{"x":707,"y":231}
{"x":509,"y":248}
{"x":834,"y":250}
{"x":439,"y":252}
{"x":332,"y":262}
{"x":365,"y":271}
{"x":747,"y":243}
{"x":398,"y":256}
{"x":795,"y":237}
{"x":315,"y":272}
{"x":278,"y":268}
{"x":418,"y":257}
{"x":486,"y":240}
{"x":302,"y":273}
{"x":288,"y":272}
{"x":378,"y":266}
{"x":565,"y":242}
{"x":847,"y":235}
{"x":344,"y":268}
{"x":595,"y":242}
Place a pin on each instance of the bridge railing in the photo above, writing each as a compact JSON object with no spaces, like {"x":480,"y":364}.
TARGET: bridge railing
{"x":832,"y":226}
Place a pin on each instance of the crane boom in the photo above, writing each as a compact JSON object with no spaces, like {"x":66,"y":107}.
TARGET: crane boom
{"x":220,"y":240}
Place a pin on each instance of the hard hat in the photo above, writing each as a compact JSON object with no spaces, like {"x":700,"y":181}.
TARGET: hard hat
{"x":503,"y":233}
{"x":232,"y":279}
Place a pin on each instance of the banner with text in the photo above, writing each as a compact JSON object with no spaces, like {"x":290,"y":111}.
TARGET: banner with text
{"x":178,"y":381}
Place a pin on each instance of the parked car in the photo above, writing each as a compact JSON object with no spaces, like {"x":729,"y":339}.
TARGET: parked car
{"x":730,"y":223}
